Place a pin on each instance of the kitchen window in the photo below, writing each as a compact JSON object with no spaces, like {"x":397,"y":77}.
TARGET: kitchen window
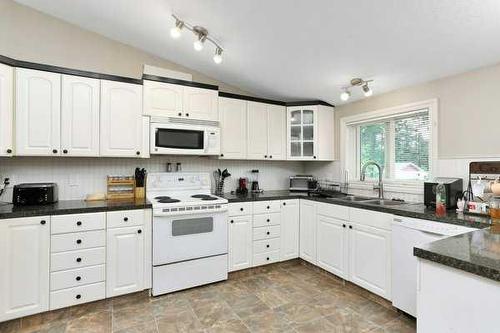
{"x":400,"y":139}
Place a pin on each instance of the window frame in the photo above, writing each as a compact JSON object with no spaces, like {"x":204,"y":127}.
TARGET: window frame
{"x":349,"y":138}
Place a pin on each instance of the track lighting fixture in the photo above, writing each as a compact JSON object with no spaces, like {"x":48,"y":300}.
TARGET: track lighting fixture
{"x":356,"y":82}
{"x":201,"y":37}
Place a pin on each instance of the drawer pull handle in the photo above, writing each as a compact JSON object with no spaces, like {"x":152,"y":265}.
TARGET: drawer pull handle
{"x":78,"y":278}
{"x":267,"y":245}
{"x":268,"y":233}
{"x":125,"y":219}
{"x":78,"y":259}
{"x":42,"y":222}
{"x":139,"y":231}
{"x":78,"y":241}
{"x":78,"y":296}
{"x":79,"y":223}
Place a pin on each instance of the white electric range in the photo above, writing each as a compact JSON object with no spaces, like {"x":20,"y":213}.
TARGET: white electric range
{"x":189,"y":231}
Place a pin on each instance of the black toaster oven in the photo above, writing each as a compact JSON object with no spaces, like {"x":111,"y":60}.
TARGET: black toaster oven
{"x":34,"y":194}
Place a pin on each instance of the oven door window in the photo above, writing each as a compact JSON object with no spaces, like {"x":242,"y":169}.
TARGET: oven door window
{"x":192,"y":226}
{"x":179,"y":138}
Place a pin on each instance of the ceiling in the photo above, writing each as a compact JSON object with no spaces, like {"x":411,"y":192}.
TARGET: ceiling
{"x":304,"y":49}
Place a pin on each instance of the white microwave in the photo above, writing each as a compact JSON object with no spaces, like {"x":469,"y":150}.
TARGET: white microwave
{"x":184,"y":137}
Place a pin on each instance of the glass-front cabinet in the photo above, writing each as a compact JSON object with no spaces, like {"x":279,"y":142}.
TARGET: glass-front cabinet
{"x":308,"y":127}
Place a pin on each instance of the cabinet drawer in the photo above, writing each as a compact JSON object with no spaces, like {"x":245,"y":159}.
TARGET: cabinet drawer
{"x":335,"y":211}
{"x":72,"y":296}
{"x":77,"y":222}
{"x":74,"y":259}
{"x":266,"y":258}
{"x":77,"y":240}
{"x":240,"y":208}
{"x":261,"y":207}
{"x":266,"y":232}
{"x":125,"y":218}
{"x":371,"y":218}
{"x":266,"y":245}
{"x":77,"y":277}
{"x":263,"y":220}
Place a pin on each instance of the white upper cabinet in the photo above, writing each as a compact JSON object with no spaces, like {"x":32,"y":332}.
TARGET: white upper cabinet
{"x":310,"y":133}
{"x":201,"y":103}
{"x":276,"y":138}
{"x":121,"y":119}
{"x":233,"y":121}
{"x":266,"y":131}
{"x":163,"y":99}
{"x":24,"y":263}
{"x":6,"y":110}
{"x":80,"y":116}
{"x":38,"y":110}
{"x":257,"y":131}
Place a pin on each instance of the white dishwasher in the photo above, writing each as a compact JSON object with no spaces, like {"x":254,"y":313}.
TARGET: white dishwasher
{"x":406,"y":234}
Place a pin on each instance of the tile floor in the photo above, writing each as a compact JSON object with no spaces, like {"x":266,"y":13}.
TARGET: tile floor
{"x":285,"y":297}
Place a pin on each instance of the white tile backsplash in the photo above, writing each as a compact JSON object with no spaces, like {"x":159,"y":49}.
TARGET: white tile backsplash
{"x":77,"y":177}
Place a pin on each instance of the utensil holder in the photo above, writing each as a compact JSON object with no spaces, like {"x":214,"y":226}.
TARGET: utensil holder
{"x":219,"y":187}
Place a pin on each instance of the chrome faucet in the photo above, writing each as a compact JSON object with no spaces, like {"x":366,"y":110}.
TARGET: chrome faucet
{"x":380,"y":186}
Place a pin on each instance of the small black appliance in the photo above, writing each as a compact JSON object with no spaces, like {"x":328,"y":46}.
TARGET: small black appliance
{"x":34,"y":194}
{"x":454,"y":190}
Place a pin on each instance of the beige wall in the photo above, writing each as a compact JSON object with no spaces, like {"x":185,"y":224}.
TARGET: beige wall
{"x":469,"y":111}
{"x":29,"y":35}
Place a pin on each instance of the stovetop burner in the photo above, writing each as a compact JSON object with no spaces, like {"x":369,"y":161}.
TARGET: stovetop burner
{"x":169,"y":200}
{"x":200,"y":196}
{"x":162,"y":197}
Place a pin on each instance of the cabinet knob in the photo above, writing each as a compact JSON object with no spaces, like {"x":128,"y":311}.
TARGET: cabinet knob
{"x":9,"y":151}
{"x":139,"y":231}
{"x":78,"y":296}
{"x":79,"y":223}
{"x":314,"y":157}
{"x":267,"y":258}
{"x":65,"y":151}
{"x":78,"y":278}
{"x":268,"y":207}
{"x":284,"y":203}
{"x":265,"y":156}
{"x":78,"y":259}
{"x":187,"y":114}
{"x":268,"y":233}
{"x":268,"y":220}
{"x":138,"y":153}
{"x":343,"y":225}
{"x":42,"y":222}
{"x":54,"y":151}
{"x":267,"y":245}
{"x":270,"y":156}
{"x":232,"y":221}
{"x":221,"y":155}
{"x":241,"y":208}
{"x":179,"y":114}
{"x":125,"y":219}
{"x":78,"y":241}
{"x":350,"y":227}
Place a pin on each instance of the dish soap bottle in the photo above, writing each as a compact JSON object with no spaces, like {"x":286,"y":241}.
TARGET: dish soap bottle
{"x":440,"y":200}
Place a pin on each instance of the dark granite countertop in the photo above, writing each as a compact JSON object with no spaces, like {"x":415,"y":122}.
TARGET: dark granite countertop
{"x":70,"y":207}
{"x":476,"y":252}
{"x":266,"y":195}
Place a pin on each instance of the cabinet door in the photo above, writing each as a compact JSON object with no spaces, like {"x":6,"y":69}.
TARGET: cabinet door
{"x":370,"y":259}
{"x":121,"y":119}
{"x":38,"y":106}
{"x":308,"y":231}
{"x":276,"y":147}
{"x":290,"y":219}
{"x":162,"y":99}
{"x":6,"y":110}
{"x":257,"y":131}
{"x":301,"y":133}
{"x":333,"y":245}
{"x":201,"y":103}
{"x":233,"y":117}
{"x":24,"y":263}
{"x":125,"y":260}
{"x":240,"y":242}
{"x":80,"y":116}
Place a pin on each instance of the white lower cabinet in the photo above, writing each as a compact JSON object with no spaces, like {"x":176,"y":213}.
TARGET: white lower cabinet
{"x":333,"y":245}
{"x":370,"y":259}
{"x":240,"y":242}
{"x":125,"y":260}
{"x":24,"y":266}
{"x":308,"y":231}
{"x":290,"y":220}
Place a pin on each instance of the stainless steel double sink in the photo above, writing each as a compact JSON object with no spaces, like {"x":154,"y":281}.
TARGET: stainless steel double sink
{"x":371,"y":201}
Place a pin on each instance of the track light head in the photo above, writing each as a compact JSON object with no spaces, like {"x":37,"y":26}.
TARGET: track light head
{"x":366,"y":90}
{"x":201,"y":34}
{"x":345,"y":95}
{"x":175,"y":32}
{"x":218,"y":55}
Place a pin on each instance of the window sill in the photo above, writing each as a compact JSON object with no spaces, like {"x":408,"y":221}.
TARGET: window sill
{"x":408,"y":187}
